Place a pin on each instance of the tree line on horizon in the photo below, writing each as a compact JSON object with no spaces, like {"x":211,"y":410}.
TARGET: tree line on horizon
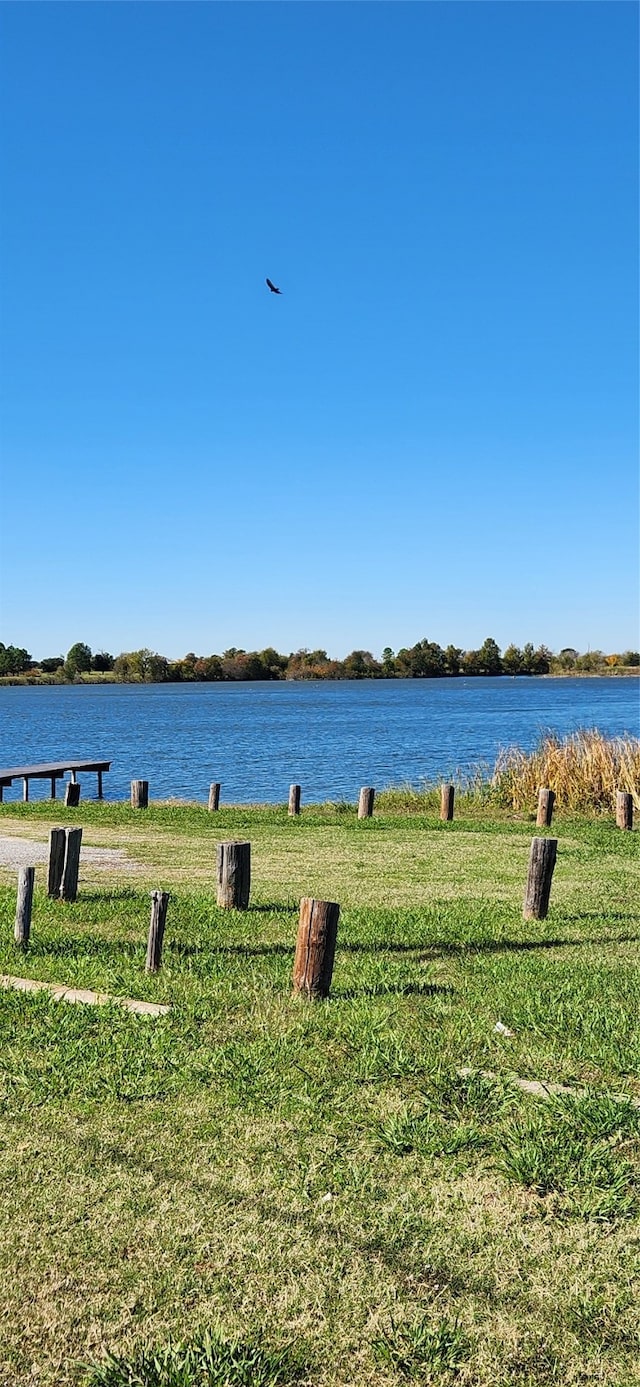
{"x":424,"y":660}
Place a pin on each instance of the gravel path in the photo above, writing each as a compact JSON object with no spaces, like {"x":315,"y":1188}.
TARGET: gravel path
{"x":23,"y":852}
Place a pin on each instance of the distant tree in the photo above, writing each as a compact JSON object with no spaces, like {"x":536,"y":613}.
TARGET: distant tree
{"x":452,"y":659}
{"x":489,"y":657}
{"x":209,"y":668}
{"x":102,"y":661}
{"x":512,"y":662}
{"x":13,"y":659}
{"x":590,"y":661}
{"x":425,"y":660}
{"x":360,"y":664}
{"x":470,"y":662}
{"x":141,"y":667}
{"x":388,"y":662}
{"x":273,"y":663}
{"x":51,"y":664}
{"x":78,"y":660}
{"x":630,"y":657}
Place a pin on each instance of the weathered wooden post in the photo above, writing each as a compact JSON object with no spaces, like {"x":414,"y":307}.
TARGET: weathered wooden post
{"x":159,"y":903}
{"x":26,"y":877}
{"x":69,"y":887}
{"x":72,"y":794}
{"x":294,"y":799}
{"x":546,"y":801}
{"x":365,"y":803}
{"x":234,"y":875}
{"x":624,"y":809}
{"x":139,"y":794}
{"x":57,"y":847}
{"x":542,"y":861}
{"x":447,"y":796}
{"x":315,"y":947}
{"x":214,"y":796}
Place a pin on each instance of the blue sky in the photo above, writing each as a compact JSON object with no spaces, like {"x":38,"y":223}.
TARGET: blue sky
{"x":432,"y":432}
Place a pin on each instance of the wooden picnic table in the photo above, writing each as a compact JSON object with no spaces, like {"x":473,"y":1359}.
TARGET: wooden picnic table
{"x":51,"y":770}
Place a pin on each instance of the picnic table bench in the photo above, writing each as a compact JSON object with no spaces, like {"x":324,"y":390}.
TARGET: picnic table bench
{"x":50,"y":770}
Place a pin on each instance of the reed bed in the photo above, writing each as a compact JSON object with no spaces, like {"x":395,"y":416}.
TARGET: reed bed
{"x":584,"y":770}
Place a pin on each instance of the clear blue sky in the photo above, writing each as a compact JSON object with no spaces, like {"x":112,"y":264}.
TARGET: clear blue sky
{"x":432,"y":432}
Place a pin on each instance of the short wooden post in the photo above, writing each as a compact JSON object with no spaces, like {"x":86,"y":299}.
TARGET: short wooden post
{"x":53,"y":787}
{"x":315,"y":947}
{"x":26,"y":877}
{"x":139,"y":794}
{"x":546,"y":801}
{"x":25,"y":788}
{"x":159,"y":903}
{"x":72,"y":794}
{"x":294,"y":799}
{"x":69,"y":887}
{"x":99,"y":774}
{"x":57,"y":847}
{"x":624,"y":809}
{"x":214,"y":796}
{"x":447,"y":796}
{"x":542,"y":861}
{"x":234,"y":875}
{"x":365,"y":803}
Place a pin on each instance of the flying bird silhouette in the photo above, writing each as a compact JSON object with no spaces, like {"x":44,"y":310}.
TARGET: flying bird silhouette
{"x":273,"y":288}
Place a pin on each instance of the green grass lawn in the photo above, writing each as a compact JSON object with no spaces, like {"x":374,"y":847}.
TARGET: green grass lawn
{"x":255,"y":1189}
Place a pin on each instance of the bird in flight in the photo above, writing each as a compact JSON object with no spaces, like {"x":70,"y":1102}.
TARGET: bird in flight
{"x":273,"y":288}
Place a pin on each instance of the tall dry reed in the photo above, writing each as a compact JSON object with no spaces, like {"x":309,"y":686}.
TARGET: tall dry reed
{"x":584,"y":770}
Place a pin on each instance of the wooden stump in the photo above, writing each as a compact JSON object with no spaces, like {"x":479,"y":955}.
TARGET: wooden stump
{"x":315,"y":947}
{"x":624,"y":809}
{"x":139,"y":794}
{"x":365,"y":803}
{"x":294,"y":799}
{"x":57,"y":848}
{"x":234,"y":875}
{"x":72,"y":794}
{"x":546,"y":801}
{"x":214,"y":796}
{"x":69,"y":887}
{"x":159,"y":903}
{"x":447,"y":796}
{"x":542,"y":861}
{"x":26,"y":878}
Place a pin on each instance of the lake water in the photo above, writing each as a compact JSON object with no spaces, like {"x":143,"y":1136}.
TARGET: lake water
{"x":330,"y":738}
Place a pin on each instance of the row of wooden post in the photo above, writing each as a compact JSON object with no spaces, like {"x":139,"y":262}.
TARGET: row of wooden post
{"x":318,"y":922}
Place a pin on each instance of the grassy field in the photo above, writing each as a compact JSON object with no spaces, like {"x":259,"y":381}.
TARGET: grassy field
{"x":255,"y":1189}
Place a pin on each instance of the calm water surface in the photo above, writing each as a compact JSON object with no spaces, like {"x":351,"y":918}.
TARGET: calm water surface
{"x":257,"y":739}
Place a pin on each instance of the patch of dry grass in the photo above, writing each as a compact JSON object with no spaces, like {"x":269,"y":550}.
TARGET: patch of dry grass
{"x":584,"y":770}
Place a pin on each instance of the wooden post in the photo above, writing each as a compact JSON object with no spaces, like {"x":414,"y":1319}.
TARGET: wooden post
{"x":546,"y":801}
{"x":447,"y":796}
{"x":214,"y":796}
{"x":159,"y":903}
{"x":294,"y":799}
{"x":25,"y":788}
{"x":624,"y":809}
{"x":57,"y":846}
{"x":53,"y":787}
{"x":542,"y":861}
{"x":365,"y":803}
{"x":234,"y":875}
{"x":99,"y":774}
{"x":315,"y":947}
{"x":139,"y":794}
{"x":26,"y":877}
{"x":69,"y":887}
{"x":72,"y":794}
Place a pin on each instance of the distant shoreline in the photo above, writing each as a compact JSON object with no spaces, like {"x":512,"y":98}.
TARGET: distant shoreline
{"x":89,"y":681}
